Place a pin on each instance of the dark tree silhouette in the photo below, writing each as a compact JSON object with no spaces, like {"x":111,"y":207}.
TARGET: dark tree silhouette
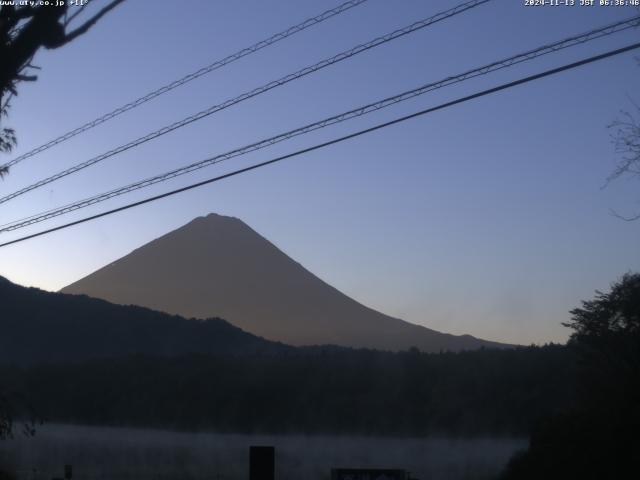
{"x":598,"y":436}
{"x":23,"y":31}
{"x":613,"y":313}
{"x":626,"y":140}
{"x":11,"y":408}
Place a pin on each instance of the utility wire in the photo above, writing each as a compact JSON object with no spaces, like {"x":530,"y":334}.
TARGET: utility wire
{"x":442,"y":106}
{"x":363,"y":110}
{"x":191,"y":76}
{"x":252,"y":93}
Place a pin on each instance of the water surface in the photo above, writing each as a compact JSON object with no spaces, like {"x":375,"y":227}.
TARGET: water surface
{"x":98,"y":453}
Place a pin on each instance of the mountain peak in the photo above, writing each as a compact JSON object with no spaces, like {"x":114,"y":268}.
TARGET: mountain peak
{"x":214,"y":218}
{"x":217,"y":217}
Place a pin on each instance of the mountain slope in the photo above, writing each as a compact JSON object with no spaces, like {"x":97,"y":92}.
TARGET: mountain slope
{"x":38,"y":326}
{"x":218,"y":265}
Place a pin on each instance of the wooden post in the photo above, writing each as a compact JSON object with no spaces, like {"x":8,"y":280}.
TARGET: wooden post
{"x":261,"y":463}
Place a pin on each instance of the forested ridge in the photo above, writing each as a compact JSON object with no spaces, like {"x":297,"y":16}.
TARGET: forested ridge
{"x":314,"y":390}
{"x":45,"y":327}
{"x":82,"y":360}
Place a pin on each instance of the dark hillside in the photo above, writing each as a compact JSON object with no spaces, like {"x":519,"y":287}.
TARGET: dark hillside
{"x":38,"y":326}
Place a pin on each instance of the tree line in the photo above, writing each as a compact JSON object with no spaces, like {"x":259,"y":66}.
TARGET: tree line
{"x":315,"y":390}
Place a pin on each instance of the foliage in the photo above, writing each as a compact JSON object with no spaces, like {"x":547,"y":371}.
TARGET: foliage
{"x":313,"y":390}
{"x":598,"y":436}
{"x":7,"y":136}
{"x":609,"y":314}
{"x":25,"y":29}
{"x":43,"y":327}
{"x":39,"y":326}
{"x":625,"y":137}
{"x":13,"y":408}
{"x":607,"y":338}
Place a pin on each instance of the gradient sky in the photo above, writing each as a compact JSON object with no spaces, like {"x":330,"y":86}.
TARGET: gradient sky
{"x":488,"y":218}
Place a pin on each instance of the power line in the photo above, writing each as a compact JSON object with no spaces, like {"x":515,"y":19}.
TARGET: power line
{"x":442,"y":106}
{"x":529,"y":55}
{"x":250,"y":94}
{"x":363,"y":110}
{"x":189,"y":77}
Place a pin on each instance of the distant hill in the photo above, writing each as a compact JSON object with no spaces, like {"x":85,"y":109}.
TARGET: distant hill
{"x":38,"y":326}
{"x":219,"y":266}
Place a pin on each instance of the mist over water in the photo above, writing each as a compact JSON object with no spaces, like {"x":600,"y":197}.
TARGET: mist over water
{"x":121,"y":453}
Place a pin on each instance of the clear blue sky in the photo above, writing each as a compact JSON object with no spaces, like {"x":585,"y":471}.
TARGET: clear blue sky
{"x":487,"y":218}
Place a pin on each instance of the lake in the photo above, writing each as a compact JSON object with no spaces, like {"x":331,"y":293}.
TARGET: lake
{"x":99,"y":453}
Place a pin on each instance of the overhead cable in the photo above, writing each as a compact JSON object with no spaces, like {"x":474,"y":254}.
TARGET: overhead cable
{"x":188,"y":78}
{"x":442,"y":106}
{"x":360,"y":111}
{"x":252,"y":93}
